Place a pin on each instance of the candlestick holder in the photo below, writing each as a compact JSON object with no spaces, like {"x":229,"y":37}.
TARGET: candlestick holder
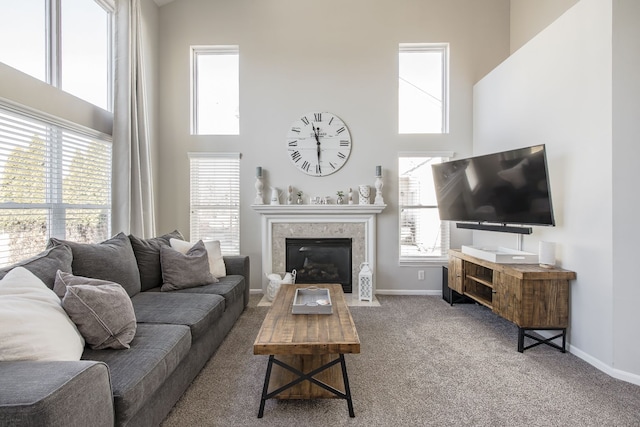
{"x":379,"y":200}
{"x":259,"y":186}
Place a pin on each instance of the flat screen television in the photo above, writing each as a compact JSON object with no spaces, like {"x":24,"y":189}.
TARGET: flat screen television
{"x":509,"y":187}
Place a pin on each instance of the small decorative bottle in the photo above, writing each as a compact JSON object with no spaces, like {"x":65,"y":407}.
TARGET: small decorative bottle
{"x":299,"y":199}
{"x":340,"y":199}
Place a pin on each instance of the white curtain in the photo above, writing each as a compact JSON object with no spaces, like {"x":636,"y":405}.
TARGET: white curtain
{"x":132,"y":183}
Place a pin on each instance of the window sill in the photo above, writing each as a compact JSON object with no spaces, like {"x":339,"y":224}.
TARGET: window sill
{"x":428,"y":262}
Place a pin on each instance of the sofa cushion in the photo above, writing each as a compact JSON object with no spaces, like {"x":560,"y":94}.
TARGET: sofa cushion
{"x":180,"y":271}
{"x":147,"y":252}
{"x":46,"y":264}
{"x":198,"y":312}
{"x":111,"y":260}
{"x":214,"y":253}
{"x":230,"y":287}
{"x":101,"y":310}
{"x":33,"y":325}
{"x":138,"y":372}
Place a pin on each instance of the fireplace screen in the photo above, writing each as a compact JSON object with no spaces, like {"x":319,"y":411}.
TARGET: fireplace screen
{"x":320,"y":260}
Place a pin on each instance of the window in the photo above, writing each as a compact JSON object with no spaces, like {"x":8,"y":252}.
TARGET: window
{"x":66,"y":43}
{"x":422,"y":235}
{"x":215,"y":84}
{"x":423,"y":88}
{"x":55,"y":181}
{"x":215,"y":199}
{"x":23,"y":37}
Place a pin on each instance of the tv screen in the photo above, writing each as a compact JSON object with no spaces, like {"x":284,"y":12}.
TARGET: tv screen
{"x":510,"y":187}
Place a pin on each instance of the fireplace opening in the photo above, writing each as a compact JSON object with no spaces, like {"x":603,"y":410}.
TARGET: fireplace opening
{"x":320,"y":260}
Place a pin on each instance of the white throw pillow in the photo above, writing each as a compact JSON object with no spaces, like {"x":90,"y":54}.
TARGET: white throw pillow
{"x":216,"y":263}
{"x":34,"y":326}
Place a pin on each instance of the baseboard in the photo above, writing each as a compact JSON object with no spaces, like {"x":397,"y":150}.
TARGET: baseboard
{"x":611,"y":371}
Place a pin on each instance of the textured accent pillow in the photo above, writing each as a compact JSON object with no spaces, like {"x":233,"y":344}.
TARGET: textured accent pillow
{"x":101,"y":310}
{"x":147,"y":252}
{"x":45,"y":264}
{"x":181,"y":271}
{"x":111,"y":260}
{"x":216,"y":263}
{"x":33,"y":325}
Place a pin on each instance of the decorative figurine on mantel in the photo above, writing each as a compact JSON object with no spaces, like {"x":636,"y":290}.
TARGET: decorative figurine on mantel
{"x":379,"y":184}
{"x":350,"y":196}
{"x":290,"y":195}
{"x":259,"y":186}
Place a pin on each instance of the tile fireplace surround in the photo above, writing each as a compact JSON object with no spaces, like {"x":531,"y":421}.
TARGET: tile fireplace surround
{"x":357,"y":222}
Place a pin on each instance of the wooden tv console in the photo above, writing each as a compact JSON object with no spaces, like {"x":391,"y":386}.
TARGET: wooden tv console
{"x":532,"y":297}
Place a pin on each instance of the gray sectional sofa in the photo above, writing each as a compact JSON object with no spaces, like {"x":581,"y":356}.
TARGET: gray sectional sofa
{"x":176,"y":334}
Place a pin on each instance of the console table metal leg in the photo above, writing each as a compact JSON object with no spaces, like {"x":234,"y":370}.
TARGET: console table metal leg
{"x":520,"y":340}
{"x":265,"y":389}
{"x":522,"y":333}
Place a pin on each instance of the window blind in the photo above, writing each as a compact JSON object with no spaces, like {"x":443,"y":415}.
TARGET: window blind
{"x":55,"y":181}
{"x":215,"y":199}
{"x":422,"y":234}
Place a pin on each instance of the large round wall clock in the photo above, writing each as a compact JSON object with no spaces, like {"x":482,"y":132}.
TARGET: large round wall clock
{"x":318,"y":144}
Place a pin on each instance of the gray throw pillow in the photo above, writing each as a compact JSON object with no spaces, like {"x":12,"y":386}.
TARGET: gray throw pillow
{"x":147,"y":252}
{"x":111,"y":260}
{"x":181,"y":271}
{"x":102,"y":311}
{"x":45,"y":265}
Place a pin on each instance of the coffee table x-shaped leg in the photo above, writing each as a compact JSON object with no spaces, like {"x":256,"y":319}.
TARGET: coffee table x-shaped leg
{"x":306,"y":377}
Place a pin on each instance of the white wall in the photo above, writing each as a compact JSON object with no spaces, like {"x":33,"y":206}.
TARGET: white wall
{"x":337,"y":56}
{"x":558,"y":89}
{"x":529,"y":17}
{"x":626,"y":197}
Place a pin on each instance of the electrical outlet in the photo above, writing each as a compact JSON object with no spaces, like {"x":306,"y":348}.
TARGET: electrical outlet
{"x":420,"y":274}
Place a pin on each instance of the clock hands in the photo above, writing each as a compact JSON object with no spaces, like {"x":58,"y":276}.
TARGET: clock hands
{"x":315,"y":133}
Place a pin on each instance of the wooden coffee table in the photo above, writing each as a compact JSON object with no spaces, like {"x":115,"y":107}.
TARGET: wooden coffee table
{"x":306,"y":351}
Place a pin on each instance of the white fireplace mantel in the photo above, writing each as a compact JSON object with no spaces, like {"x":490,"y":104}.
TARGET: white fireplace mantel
{"x":344,"y":220}
{"x":318,"y":209}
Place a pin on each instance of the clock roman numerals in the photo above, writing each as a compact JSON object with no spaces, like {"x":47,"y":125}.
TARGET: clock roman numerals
{"x":318,"y":143}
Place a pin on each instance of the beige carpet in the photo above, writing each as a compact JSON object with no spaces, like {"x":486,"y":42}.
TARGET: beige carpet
{"x":423,"y":363}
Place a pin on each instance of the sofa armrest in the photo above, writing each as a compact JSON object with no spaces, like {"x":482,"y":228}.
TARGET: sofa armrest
{"x":55,"y":394}
{"x":239,"y":264}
